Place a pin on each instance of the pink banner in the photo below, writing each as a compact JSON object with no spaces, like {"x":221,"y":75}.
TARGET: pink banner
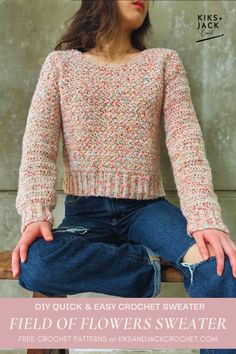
{"x":117,"y":323}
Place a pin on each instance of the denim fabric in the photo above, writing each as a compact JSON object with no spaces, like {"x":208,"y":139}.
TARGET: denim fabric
{"x":114,"y":246}
{"x":87,"y":255}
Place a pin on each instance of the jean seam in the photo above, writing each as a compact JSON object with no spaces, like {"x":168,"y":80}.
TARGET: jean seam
{"x":110,"y":207}
{"x":157,"y":271}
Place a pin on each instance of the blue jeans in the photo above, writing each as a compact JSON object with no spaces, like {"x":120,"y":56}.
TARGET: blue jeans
{"x":113,"y":246}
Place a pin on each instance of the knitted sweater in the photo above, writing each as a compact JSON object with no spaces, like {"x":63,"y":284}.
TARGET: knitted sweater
{"x":109,"y":117}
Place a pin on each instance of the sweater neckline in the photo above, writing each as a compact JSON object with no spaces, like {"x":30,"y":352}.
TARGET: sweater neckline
{"x":131,"y":62}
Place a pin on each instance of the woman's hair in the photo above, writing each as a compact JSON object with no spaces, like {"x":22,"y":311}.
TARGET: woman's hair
{"x":97,"y":22}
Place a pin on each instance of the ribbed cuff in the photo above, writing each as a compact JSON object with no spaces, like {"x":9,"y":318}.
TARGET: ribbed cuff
{"x":211,"y":221}
{"x":33,"y":213}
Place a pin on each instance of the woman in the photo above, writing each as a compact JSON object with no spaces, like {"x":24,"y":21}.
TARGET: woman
{"x":107,"y":93}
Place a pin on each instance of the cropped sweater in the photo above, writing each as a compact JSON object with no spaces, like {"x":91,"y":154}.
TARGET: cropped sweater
{"x":109,"y":117}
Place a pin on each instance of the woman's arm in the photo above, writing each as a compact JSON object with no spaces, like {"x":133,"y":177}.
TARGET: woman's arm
{"x":36,"y":197}
{"x":186,"y":150}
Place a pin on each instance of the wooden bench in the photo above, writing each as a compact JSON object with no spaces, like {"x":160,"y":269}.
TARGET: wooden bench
{"x":168,"y":274}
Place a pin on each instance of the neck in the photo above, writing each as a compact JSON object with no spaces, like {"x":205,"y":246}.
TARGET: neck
{"x":117,"y":48}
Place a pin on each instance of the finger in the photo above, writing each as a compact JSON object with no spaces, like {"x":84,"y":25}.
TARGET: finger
{"x":23,"y":252}
{"x":230,"y":251}
{"x":202,"y":246}
{"x":46,"y":232}
{"x":16,"y":254}
{"x":219,"y":252}
{"x":15,"y":262}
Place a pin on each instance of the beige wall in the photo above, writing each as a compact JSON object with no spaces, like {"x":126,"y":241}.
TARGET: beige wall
{"x":30,"y":32}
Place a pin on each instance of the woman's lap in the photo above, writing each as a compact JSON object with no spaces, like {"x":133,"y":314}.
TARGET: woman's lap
{"x":113,"y":229}
{"x":86,"y":255}
{"x":155,"y":223}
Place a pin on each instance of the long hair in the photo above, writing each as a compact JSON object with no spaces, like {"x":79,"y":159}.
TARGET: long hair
{"x":97,"y":22}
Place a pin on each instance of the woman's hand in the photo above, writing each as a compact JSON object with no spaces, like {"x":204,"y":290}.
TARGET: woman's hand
{"x":221,"y":243}
{"x":31,"y":233}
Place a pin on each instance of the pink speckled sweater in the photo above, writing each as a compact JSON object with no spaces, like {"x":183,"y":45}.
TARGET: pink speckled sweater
{"x":109,"y":116}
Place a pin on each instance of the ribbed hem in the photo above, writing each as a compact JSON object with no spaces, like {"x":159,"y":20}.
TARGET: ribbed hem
{"x":113,"y":184}
{"x":33,"y":213}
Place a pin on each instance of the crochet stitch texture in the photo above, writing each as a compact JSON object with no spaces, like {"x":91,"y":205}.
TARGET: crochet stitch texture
{"x":109,"y":118}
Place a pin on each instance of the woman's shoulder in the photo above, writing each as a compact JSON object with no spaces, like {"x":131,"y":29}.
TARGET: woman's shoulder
{"x":164,"y":55}
{"x":165,"y":52}
{"x":61,"y":56}
{"x":170,"y":57}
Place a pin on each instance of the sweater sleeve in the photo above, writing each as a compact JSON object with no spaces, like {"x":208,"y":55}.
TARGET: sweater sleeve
{"x":36,"y":196}
{"x":186,"y":149}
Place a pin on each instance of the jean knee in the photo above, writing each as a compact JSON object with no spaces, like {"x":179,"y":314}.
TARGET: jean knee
{"x":33,"y":270}
{"x":193,"y":266}
{"x":205,"y":282}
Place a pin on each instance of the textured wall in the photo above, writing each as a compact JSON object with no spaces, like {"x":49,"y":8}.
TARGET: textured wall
{"x":29,"y":32}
